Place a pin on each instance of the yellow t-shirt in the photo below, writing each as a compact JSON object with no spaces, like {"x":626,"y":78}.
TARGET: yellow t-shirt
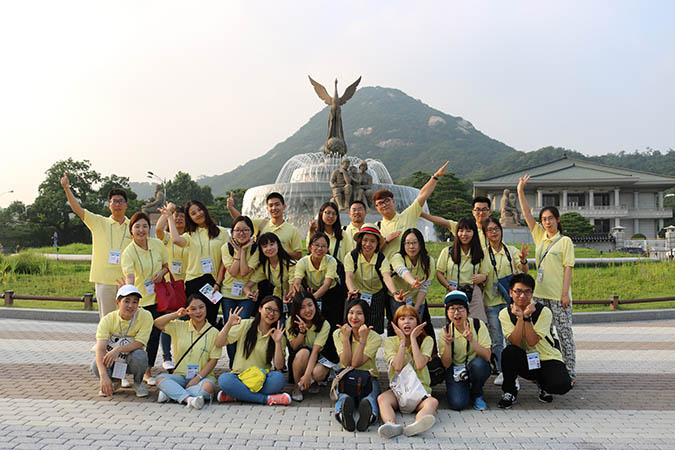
{"x":304,"y":269}
{"x":273,"y":275}
{"x":503,"y":269}
{"x":183,"y":334}
{"x":257,"y":357}
{"x":251,"y":259}
{"x":373,"y":343}
{"x":400,"y":222}
{"x":560,"y":256}
{"x":481,"y":236}
{"x":144,"y":264}
{"x":200,"y":247}
{"x":365,"y":277}
{"x":331,"y":245}
{"x":459,"y":355}
{"x":113,"y":324}
{"x":287,"y":233}
{"x":449,"y":269}
{"x":106,"y":235}
{"x":312,"y":337}
{"x":391,"y":345}
{"x":398,"y":261}
{"x":178,"y":259}
{"x":542,"y":328}
{"x":348,"y":239}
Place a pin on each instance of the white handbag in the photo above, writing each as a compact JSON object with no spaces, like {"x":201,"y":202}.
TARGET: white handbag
{"x":408,"y":389}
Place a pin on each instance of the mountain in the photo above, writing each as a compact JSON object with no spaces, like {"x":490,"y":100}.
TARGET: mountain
{"x":380,"y":123}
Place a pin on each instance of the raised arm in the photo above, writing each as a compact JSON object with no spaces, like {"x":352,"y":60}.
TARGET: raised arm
{"x":440,"y":221}
{"x":524,"y":206}
{"x":176,"y":238}
{"x":160,"y":226}
{"x":72,"y":201}
{"x":234,"y":212}
{"x":429,"y":187}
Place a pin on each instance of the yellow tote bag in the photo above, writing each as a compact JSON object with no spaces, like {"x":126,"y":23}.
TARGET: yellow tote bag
{"x":253,"y":378}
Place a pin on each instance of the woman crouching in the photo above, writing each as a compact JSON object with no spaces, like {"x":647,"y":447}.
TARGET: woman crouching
{"x":411,"y":345}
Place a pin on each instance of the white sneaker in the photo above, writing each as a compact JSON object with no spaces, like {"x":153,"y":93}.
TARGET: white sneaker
{"x":150,"y":381}
{"x":168,"y":365}
{"x":162,"y":397}
{"x":141,"y":390}
{"x":500,"y":379}
{"x":419,"y":426}
{"x":390,"y":430}
{"x":125,"y":383}
{"x":517,"y":385}
{"x":195,"y":402}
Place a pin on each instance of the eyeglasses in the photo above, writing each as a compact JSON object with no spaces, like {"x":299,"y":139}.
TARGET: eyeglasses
{"x":330,"y":212}
{"x":118,"y":201}
{"x":411,"y":244}
{"x":519,"y":292}
{"x":319,"y":246}
{"x":383,"y":202}
{"x":455,"y":309}
{"x":242,"y":230}
{"x":481,"y":210}
{"x":269,"y":310}
{"x":493,"y":230}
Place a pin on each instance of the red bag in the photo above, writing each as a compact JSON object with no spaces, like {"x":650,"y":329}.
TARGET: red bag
{"x":170,"y":295}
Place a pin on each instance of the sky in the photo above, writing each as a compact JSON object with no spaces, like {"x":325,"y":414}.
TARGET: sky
{"x":205,"y":86}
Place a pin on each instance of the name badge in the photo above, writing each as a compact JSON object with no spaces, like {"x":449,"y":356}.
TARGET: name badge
{"x":176,"y":267}
{"x":453,"y":284}
{"x":207,"y":265}
{"x":114,"y":257}
{"x":210,"y":293}
{"x":237,"y":289}
{"x":533,"y":362}
{"x":409,"y":301}
{"x":149,"y":287}
{"x":540,"y":275}
{"x":192,"y":371}
{"x":285,"y":308}
{"x":367,"y":298}
{"x":119,"y":369}
{"x":457,"y":370}
{"x":495,"y":288}
{"x":326,"y":363}
{"x":319,"y":303}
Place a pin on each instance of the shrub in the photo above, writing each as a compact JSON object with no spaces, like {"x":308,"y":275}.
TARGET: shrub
{"x":28,"y":263}
{"x":638,"y":236}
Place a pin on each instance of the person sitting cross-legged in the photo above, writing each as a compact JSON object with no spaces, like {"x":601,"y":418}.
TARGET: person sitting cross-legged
{"x":532,"y":353}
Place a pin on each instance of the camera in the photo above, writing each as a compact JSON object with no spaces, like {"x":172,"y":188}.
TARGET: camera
{"x":467,"y":289}
{"x":460,"y":375}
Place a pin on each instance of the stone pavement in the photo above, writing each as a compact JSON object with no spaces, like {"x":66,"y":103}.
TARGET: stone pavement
{"x":625,"y":398}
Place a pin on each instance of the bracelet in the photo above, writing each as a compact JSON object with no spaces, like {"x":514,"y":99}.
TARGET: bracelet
{"x":434,"y":177}
{"x":362,"y":342}
{"x":523,"y":262}
{"x":200,"y":376}
{"x":527,"y":319}
{"x":302,"y":332}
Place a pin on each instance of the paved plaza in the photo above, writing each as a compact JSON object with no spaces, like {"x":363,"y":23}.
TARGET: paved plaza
{"x":625,"y":398}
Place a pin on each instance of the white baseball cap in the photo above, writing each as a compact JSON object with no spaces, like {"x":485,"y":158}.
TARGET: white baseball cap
{"x":128,"y":289}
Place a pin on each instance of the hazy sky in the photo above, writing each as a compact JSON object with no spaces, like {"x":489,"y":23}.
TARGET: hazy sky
{"x":205,"y":86}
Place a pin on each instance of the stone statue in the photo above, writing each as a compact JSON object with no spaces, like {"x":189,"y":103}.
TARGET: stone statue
{"x":154,"y":203}
{"x":364,"y":192}
{"x":341,"y":183}
{"x":335,"y":139}
{"x":510,"y":217}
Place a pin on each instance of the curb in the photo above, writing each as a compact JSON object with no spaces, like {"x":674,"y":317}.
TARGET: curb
{"x":62,"y":315}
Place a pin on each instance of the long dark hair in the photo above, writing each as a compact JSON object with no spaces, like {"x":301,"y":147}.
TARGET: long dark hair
{"x":191,"y":227}
{"x":555,"y":213}
{"x":285,"y":259}
{"x":252,"y":334}
{"x":466,"y":223}
{"x":365,"y":307}
{"x":423,"y":255}
{"x":337,"y":226}
{"x":298,"y":299}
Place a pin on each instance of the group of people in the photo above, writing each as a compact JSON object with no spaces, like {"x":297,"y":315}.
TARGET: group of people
{"x":321,"y":316}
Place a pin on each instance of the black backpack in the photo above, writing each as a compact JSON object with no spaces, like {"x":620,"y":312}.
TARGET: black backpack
{"x":535,"y":316}
{"x":378,"y":263}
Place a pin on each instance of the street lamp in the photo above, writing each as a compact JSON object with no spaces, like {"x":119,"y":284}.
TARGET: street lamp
{"x":11,"y":191}
{"x":153,"y":176}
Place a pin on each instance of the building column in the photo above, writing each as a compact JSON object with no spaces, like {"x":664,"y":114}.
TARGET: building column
{"x":636,"y":199}
{"x":591,"y":200}
{"x":660,"y":227}
{"x":617,"y":199}
{"x":564,"y":200}
{"x":617,"y":222}
{"x":636,"y":226}
{"x":661,"y":196}
{"x":540,"y":198}
{"x":592,"y":221}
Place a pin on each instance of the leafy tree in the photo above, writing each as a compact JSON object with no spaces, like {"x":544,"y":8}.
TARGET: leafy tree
{"x":219,"y":208}
{"x":183,"y":188}
{"x":574,"y":224}
{"x":117,"y":182}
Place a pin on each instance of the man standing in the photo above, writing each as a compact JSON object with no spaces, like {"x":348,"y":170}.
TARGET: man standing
{"x":481,"y":210}
{"x":109,"y":237}
{"x":357,"y":214}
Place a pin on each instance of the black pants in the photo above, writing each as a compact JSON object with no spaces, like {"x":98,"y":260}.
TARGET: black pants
{"x":379,"y":305}
{"x":333,"y":310}
{"x":193,"y":286}
{"x":153,"y":341}
{"x":551,"y":377}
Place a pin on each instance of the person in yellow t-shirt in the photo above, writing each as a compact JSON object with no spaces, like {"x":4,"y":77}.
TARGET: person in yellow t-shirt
{"x":464,"y":346}
{"x":203,"y":240}
{"x":413,"y":346}
{"x":357,"y":215}
{"x":120,"y":337}
{"x":463,"y":267}
{"x":328,"y":222}
{"x":260,"y":343}
{"x":193,"y":381}
{"x":145,"y":262}
{"x":480,"y":209}
{"x":274,"y":274}
{"x":393,"y":223}
{"x":531,"y":351}
{"x":555,"y":263}
{"x":109,"y":237}
{"x":307,"y":333}
{"x":357,"y":344}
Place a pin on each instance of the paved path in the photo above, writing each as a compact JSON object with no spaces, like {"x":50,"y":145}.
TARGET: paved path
{"x":625,"y":398}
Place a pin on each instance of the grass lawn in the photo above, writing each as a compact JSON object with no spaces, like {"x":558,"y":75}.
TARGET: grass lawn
{"x":70,"y":249}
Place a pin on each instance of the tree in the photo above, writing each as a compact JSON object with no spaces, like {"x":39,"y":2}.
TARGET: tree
{"x":219,"y":208}
{"x":183,"y":188}
{"x":574,"y":224}
{"x":117,"y":182}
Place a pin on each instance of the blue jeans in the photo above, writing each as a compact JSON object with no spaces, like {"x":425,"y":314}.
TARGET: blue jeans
{"x":165,"y":341}
{"x":137,"y":362}
{"x":496,"y":334}
{"x":372,"y":399}
{"x":460,"y":393}
{"x":230,"y":384}
{"x":173,"y":385}
{"x":228,"y":304}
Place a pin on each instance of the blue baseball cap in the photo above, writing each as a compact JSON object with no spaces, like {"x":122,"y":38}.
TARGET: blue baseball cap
{"x":456,"y":297}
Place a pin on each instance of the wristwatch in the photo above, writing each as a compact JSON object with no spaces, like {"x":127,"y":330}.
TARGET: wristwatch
{"x":527,"y":319}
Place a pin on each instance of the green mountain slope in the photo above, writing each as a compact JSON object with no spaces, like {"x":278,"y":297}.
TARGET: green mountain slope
{"x":385,"y":124}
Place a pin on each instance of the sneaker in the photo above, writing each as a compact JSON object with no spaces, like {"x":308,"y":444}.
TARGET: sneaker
{"x":507,"y":401}
{"x":365,"y":415}
{"x":100,"y":393}
{"x":479,"y":404}
{"x":314,"y":388}
{"x":141,"y":390}
{"x":390,"y":430}
{"x":279,"y":399}
{"x":222,"y":397}
{"x":297,"y":396}
{"x":195,"y":402}
{"x":517,"y":385}
{"x":162,"y":397}
{"x":168,"y":365}
{"x":125,"y":383}
{"x":419,"y":426}
{"x":150,"y":381}
{"x":545,"y":397}
{"x":500,"y":379}
{"x":346,"y":415}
